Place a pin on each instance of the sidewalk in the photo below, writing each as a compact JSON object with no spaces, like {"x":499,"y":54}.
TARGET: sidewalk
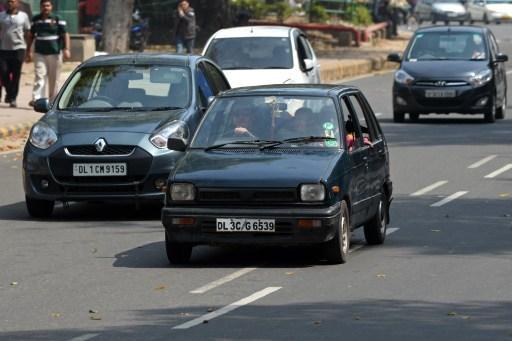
{"x":336,"y":65}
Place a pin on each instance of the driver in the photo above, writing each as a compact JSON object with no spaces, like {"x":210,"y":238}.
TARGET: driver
{"x":242,"y":122}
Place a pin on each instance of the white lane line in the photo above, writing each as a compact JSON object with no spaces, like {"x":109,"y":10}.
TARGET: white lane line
{"x":389,"y":230}
{"x":449,"y":198}
{"x":222,"y":280}
{"x":228,"y":308}
{"x":84,"y":337}
{"x":429,"y":188}
{"x":483,"y":161}
{"x":499,"y":171}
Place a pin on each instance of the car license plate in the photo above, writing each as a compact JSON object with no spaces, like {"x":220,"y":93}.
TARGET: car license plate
{"x":99,"y":169}
{"x":440,"y":93}
{"x":245,"y":225}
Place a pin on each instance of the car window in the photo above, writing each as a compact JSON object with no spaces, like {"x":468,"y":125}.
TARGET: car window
{"x":494,"y":45}
{"x":216,"y":77}
{"x":270,"y":118}
{"x":447,"y":46}
{"x":127,"y":86}
{"x":206,"y":90}
{"x":306,"y":46}
{"x":351,"y":129}
{"x":365,"y":123}
{"x":251,"y":53}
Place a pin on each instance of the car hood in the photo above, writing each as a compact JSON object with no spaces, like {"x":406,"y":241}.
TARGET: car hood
{"x":449,"y":7}
{"x":500,"y":8}
{"x":443,"y":69}
{"x":239,"y":78}
{"x":272,"y":168}
{"x":133,"y":122}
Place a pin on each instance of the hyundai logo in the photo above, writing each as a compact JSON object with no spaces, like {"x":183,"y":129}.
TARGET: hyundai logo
{"x":440,"y":83}
{"x":100,"y":145}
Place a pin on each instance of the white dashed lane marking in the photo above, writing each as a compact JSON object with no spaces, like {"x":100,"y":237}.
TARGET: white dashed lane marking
{"x":244,"y":301}
{"x":482,"y":162}
{"x":222,"y":280}
{"x":84,"y":337}
{"x":449,"y":198}
{"x":499,"y":171}
{"x":429,"y":188}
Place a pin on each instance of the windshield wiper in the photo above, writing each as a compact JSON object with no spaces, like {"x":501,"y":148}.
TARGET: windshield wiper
{"x":165,"y":108}
{"x":259,"y":143}
{"x":304,"y":139}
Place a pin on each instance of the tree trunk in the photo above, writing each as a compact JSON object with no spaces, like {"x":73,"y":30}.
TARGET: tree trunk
{"x":116,"y":25}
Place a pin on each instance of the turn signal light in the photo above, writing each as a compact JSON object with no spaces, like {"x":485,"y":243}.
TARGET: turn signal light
{"x":183,"y":221}
{"x":309,"y":223}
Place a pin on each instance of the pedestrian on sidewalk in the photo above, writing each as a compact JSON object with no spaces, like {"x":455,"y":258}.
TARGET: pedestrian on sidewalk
{"x":185,"y":28}
{"x":14,"y":28}
{"x":52,"y":42}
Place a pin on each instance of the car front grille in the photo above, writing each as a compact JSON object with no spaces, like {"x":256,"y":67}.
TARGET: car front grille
{"x":441,"y":83}
{"x":247,"y":195}
{"x":90,"y":150}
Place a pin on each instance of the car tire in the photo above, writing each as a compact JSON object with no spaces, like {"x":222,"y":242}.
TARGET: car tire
{"x":490,"y":116}
{"x":471,"y":20}
{"x":461,"y":22}
{"x":39,"y":208}
{"x":414,"y":117}
{"x":336,"y":250}
{"x":501,"y":111}
{"x":375,"y":229}
{"x":398,"y":117}
{"x":447,"y":22}
{"x":177,"y":253}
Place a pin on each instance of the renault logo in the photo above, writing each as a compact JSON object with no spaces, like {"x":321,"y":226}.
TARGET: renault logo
{"x":100,"y":145}
{"x":440,"y":83}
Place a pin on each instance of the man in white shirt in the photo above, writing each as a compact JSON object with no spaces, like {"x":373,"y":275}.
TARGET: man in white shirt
{"x":14,"y":27}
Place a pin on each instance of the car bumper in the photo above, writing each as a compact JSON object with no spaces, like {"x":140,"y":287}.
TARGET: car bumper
{"x":467,"y":100}
{"x":48,"y":175}
{"x":203,"y":229}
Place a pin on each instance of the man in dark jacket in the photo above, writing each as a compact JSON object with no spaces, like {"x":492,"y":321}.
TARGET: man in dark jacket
{"x":185,"y":30}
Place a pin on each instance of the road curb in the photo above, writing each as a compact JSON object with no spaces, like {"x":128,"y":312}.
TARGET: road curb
{"x":344,"y":69}
{"x":20,"y":128}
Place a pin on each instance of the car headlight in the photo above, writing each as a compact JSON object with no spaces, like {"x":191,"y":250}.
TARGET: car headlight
{"x":176,"y":129}
{"x":42,"y":136}
{"x":183,"y":192}
{"x":312,"y":192}
{"x":481,"y":77}
{"x":403,"y":77}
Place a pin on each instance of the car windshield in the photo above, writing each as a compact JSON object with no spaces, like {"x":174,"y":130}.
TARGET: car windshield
{"x":125,"y":87}
{"x":447,"y":46}
{"x":263,"y":121}
{"x":251,"y":53}
{"x":499,"y":1}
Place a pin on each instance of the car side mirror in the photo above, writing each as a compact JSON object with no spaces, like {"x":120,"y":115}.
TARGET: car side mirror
{"x":501,"y":58}
{"x":42,"y":105}
{"x":309,"y":64}
{"x":394,"y":57}
{"x":176,"y":144}
{"x":210,"y":101}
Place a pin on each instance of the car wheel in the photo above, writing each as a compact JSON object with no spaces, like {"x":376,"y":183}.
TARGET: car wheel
{"x":446,"y":22}
{"x":471,"y":20}
{"x":501,"y":111}
{"x":375,"y":229}
{"x":398,"y":117}
{"x":177,"y":253}
{"x":39,"y":208}
{"x":414,"y":116}
{"x":461,"y":22}
{"x":336,"y":250}
{"x":490,"y":116}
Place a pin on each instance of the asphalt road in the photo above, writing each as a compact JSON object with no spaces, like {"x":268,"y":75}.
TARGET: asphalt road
{"x":99,"y":272}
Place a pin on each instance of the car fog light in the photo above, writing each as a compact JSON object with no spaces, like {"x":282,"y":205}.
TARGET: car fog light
{"x":45,"y":183}
{"x":401,"y":101}
{"x":309,"y":223}
{"x":160,"y":184}
{"x":183,"y":221}
{"x":482,"y":101}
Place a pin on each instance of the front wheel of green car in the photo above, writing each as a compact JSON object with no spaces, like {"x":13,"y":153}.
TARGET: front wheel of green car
{"x":336,"y":250}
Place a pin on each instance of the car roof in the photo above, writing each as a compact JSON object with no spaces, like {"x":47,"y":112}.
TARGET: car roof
{"x":254,"y":31}
{"x":141,"y":59}
{"x":288,"y":89}
{"x":447,"y":28}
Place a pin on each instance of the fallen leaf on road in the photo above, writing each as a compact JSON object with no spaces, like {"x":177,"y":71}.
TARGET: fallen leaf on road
{"x":290,"y":273}
{"x":13,"y":284}
{"x":465,"y":317}
{"x":56,"y":315}
{"x":381,"y":275}
{"x":452,"y":313}
{"x":435,"y":230}
{"x":357,"y":318}
{"x":317,"y":322}
{"x":94,"y":250}
{"x":162,"y":287}
{"x":95,"y":318}
{"x":92,"y":311}
{"x":504,"y":195}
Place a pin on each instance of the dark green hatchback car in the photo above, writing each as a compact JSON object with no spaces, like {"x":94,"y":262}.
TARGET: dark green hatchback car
{"x":280,"y":165}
